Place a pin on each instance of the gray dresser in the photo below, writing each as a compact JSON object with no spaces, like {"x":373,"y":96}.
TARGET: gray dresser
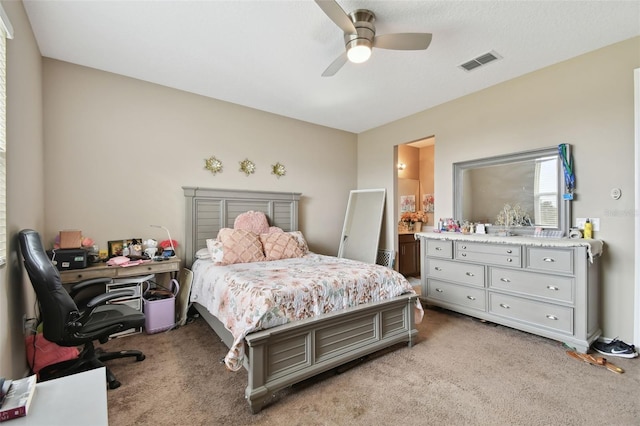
{"x":547,"y":287}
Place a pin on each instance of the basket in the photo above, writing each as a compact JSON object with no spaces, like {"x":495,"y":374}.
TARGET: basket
{"x":160,"y":309}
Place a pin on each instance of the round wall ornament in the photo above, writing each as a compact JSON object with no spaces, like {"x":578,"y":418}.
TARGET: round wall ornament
{"x":213,"y":165}
{"x":278,"y":170}
{"x":247,"y":167}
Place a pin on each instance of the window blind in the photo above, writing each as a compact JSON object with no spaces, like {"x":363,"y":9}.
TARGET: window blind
{"x":546,"y":192}
{"x":6,"y":31}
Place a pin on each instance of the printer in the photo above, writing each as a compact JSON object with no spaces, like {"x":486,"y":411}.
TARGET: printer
{"x":65,"y":259}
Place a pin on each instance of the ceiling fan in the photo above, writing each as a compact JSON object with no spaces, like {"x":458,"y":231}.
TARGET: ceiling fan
{"x":360,"y":36}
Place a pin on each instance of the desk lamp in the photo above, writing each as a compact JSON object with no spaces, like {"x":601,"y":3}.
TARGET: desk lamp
{"x":173,"y":249}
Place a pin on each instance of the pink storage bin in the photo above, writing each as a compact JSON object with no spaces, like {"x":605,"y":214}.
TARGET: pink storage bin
{"x":160,"y":314}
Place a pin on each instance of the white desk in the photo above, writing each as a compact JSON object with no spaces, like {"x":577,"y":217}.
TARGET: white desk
{"x":79,"y":399}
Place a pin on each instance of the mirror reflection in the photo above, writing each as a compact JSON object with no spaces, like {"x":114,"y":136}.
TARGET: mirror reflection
{"x":515,"y":190}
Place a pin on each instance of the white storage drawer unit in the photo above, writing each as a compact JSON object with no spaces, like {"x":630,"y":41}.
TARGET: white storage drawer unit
{"x":138,"y":285}
{"x":547,"y":287}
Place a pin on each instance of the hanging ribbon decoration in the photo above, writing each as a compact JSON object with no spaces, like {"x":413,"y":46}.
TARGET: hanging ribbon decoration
{"x":567,"y":167}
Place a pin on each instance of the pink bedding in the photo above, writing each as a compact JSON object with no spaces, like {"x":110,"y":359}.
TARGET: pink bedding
{"x":247,"y":297}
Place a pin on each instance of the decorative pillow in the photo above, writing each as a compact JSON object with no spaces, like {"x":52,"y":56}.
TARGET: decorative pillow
{"x":240,"y":246}
{"x":274,"y":229}
{"x":280,"y":245}
{"x":301,"y":241}
{"x":214,"y":250}
{"x":255,"y":222}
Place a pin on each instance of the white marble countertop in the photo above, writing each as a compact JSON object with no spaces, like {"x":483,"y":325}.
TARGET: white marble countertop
{"x":594,"y":247}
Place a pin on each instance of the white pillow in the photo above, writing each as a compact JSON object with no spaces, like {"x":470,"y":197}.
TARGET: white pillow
{"x":215,"y":250}
{"x":203,"y":253}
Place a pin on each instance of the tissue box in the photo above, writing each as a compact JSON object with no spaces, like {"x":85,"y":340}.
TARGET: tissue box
{"x":70,"y":239}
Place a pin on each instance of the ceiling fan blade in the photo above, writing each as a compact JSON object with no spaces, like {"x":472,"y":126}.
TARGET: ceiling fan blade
{"x":403,"y":41}
{"x":335,"y":65}
{"x":337,"y":15}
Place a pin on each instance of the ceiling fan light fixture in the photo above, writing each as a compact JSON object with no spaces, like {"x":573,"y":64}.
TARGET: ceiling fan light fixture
{"x":359,"y":51}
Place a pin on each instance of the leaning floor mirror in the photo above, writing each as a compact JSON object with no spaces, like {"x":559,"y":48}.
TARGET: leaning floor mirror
{"x":362,"y":224}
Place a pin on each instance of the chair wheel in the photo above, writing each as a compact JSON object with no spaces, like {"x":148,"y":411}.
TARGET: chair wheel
{"x":140,"y":357}
{"x":114,"y":384}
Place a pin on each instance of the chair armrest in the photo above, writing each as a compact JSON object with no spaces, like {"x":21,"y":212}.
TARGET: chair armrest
{"x":78,"y":287}
{"x":104,"y":298}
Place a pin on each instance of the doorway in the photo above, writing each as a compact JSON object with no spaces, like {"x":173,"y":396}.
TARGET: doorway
{"x":414,"y":200}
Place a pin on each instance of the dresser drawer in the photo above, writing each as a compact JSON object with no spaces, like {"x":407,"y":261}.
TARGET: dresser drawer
{"x":438,"y":248}
{"x":460,"y":295}
{"x":490,"y":258}
{"x":552,"y":260}
{"x":466,"y":273}
{"x":502,"y":249}
{"x":539,"y":285}
{"x":539,"y":314}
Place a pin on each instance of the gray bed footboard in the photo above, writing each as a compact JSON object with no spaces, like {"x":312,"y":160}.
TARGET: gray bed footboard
{"x":285,"y":355}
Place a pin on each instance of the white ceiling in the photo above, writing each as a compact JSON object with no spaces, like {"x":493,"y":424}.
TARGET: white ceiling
{"x":270,"y":55}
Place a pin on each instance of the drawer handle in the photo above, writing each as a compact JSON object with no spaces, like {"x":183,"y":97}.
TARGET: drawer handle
{"x":471,"y":298}
{"x":439,"y":290}
{"x":463,"y":254}
{"x":437,"y":268}
{"x":438,"y":249}
{"x":509,"y":260}
{"x":552,"y":287}
{"x":548,"y":259}
{"x":509,"y":251}
{"x":552,"y":317}
{"x":505,"y":280}
{"x":470,"y":274}
{"x":464,"y":247}
{"x":504,"y":305}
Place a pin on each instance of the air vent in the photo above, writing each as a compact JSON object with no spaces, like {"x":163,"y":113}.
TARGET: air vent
{"x":480,"y":61}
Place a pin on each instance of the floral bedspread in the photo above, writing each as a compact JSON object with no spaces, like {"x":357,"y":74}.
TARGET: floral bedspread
{"x":254,"y":296}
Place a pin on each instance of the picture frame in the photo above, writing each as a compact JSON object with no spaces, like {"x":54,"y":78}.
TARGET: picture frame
{"x":115,"y":246}
{"x":428,"y":203}
{"x":407,"y":203}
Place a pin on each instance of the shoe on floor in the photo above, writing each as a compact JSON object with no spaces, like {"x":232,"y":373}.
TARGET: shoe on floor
{"x":615,"y":348}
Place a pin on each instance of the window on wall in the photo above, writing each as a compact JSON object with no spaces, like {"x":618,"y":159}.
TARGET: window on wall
{"x":6,"y":31}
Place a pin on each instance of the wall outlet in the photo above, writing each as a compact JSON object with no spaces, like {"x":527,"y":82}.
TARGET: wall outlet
{"x":580,"y":221}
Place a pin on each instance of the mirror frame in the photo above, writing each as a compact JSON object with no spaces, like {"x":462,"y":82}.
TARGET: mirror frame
{"x":564,"y":206}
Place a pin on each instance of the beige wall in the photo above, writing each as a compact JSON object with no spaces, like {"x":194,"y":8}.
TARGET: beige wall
{"x":25,"y":199}
{"x":119,"y":150}
{"x":587,"y":102}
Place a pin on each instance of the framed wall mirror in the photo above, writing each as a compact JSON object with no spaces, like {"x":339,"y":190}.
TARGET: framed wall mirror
{"x":362,"y":225}
{"x":530,"y":183}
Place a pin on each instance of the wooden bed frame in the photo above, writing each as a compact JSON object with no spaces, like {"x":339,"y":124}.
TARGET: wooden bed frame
{"x":281,"y":356}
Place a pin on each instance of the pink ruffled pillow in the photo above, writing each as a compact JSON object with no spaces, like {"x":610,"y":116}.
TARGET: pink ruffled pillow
{"x":255,"y":222}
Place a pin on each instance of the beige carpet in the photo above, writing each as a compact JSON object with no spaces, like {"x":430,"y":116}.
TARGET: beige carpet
{"x":461,"y":371}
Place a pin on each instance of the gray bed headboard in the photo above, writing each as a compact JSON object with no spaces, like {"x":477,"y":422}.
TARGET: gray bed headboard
{"x":207,"y":210}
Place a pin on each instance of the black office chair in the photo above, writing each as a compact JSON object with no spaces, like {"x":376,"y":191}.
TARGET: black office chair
{"x":66,"y":325}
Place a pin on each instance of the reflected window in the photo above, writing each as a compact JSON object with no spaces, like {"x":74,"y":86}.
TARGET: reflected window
{"x":546,"y":192}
